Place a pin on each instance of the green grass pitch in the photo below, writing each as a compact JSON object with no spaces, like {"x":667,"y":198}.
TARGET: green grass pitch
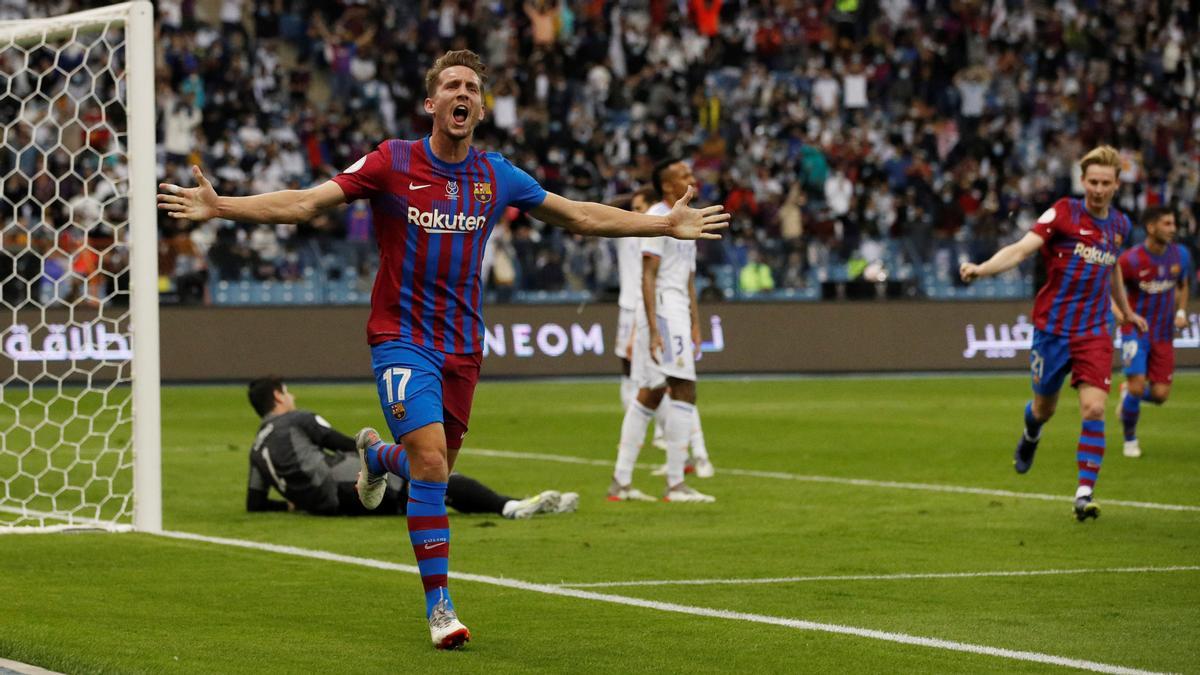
{"x":127,"y":603}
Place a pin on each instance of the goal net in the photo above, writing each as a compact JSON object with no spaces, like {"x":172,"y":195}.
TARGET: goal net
{"x":79,"y":385}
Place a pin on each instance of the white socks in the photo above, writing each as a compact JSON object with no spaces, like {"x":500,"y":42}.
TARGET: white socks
{"x":660,"y":417}
{"x":633,"y":431}
{"x":696,"y":440}
{"x":680,"y":422}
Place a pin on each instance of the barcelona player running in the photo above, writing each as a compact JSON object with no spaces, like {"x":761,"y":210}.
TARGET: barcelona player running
{"x":434,"y":202}
{"x":1080,"y":241}
{"x":1156,"y":276}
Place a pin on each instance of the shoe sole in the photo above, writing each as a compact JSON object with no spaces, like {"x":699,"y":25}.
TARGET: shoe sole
{"x":454,"y":640}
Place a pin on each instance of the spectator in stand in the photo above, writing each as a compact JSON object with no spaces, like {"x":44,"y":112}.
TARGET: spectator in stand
{"x":755,"y":276}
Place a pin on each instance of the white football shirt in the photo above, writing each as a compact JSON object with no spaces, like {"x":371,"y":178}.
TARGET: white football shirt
{"x":677,"y":262}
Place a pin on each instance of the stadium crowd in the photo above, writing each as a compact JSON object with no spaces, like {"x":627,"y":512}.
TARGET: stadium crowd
{"x":858,"y":136}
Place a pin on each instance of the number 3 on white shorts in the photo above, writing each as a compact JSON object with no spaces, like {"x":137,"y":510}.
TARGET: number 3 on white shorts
{"x":395,"y":381}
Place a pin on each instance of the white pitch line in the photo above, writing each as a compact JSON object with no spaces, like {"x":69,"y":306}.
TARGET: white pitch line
{"x":798,"y":624}
{"x":880,"y":577}
{"x":858,"y":482}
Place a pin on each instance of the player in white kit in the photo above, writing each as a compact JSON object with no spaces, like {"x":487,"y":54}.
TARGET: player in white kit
{"x":664,"y":354}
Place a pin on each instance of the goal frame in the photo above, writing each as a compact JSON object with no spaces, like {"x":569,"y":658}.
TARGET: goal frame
{"x":138,"y":18}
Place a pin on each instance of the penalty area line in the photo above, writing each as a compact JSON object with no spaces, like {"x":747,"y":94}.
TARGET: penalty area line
{"x":857,"y":482}
{"x":798,"y":624}
{"x":880,"y":577}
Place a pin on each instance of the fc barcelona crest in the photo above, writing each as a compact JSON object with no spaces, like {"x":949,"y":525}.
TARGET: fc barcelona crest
{"x":483,"y":192}
{"x":398,"y":411}
{"x":1119,"y":239}
{"x":1175,"y":270}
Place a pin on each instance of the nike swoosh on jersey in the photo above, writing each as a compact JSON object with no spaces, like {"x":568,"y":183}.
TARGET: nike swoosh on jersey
{"x":414,"y":186}
{"x":1082,"y":232}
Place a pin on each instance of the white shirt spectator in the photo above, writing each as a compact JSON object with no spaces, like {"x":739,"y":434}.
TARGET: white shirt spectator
{"x":504,"y":111}
{"x":854,"y":91}
{"x":825,"y":93}
{"x":265,"y":243}
{"x":182,"y":120}
{"x":838,"y":193}
{"x":231,"y":11}
{"x":170,"y":13}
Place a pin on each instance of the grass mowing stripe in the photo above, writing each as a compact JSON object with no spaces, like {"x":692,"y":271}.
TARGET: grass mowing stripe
{"x":901,"y":638}
{"x":858,"y":482}
{"x":881,"y":577}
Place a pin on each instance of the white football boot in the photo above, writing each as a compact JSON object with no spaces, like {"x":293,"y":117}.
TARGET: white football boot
{"x":627,"y":493}
{"x":445,"y":628}
{"x":1132,"y":449}
{"x":370,"y":487}
{"x":543,"y":502}
{"x":685,"y":493}
{"x":704,"y":468}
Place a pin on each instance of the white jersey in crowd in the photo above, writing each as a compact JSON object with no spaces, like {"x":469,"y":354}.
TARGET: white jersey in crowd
{"x":677,"y":263}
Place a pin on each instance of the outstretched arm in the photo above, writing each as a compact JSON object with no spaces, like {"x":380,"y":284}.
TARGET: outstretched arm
{"x":1005,"y":259}
{"x":285,"y":206}
{"x":590,"y":218}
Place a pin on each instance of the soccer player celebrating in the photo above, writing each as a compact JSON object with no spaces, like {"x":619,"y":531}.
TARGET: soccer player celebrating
{"x":1153,"y":272}
{"x":1080,"y":241}
{"x":664,"y":353}
{"x":434,"y":203}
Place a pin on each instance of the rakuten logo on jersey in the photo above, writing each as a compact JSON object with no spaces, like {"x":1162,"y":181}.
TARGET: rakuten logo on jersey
{"x":1153,"y":287}
{"x":1095,"y":256}
{"x":436,"y":222}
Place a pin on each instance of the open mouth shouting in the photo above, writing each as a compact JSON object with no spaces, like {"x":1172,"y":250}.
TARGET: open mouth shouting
{"x":460,"y":113}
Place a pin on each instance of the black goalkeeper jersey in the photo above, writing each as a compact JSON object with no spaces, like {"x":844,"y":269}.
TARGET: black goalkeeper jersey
{"x":296,"y":453}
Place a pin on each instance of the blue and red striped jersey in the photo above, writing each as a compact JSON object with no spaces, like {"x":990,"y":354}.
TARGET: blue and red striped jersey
{"x":432,"y":220}
{"x":1079,"y":253}
{"x":1150,"y":281}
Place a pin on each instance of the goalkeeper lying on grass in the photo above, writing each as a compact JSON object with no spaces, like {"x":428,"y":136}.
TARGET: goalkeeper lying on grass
{"x":314,"y":467}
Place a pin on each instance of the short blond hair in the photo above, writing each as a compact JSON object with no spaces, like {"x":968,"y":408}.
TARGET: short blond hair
{"x":1104,"y":155}
{"x":461,"y":57}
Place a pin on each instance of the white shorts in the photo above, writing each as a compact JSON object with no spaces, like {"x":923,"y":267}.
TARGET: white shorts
{"x":678,"y":358}
{"x":626,"y":322}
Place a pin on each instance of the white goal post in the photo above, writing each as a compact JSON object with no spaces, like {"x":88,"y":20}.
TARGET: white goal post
{"x":80,"y":437}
